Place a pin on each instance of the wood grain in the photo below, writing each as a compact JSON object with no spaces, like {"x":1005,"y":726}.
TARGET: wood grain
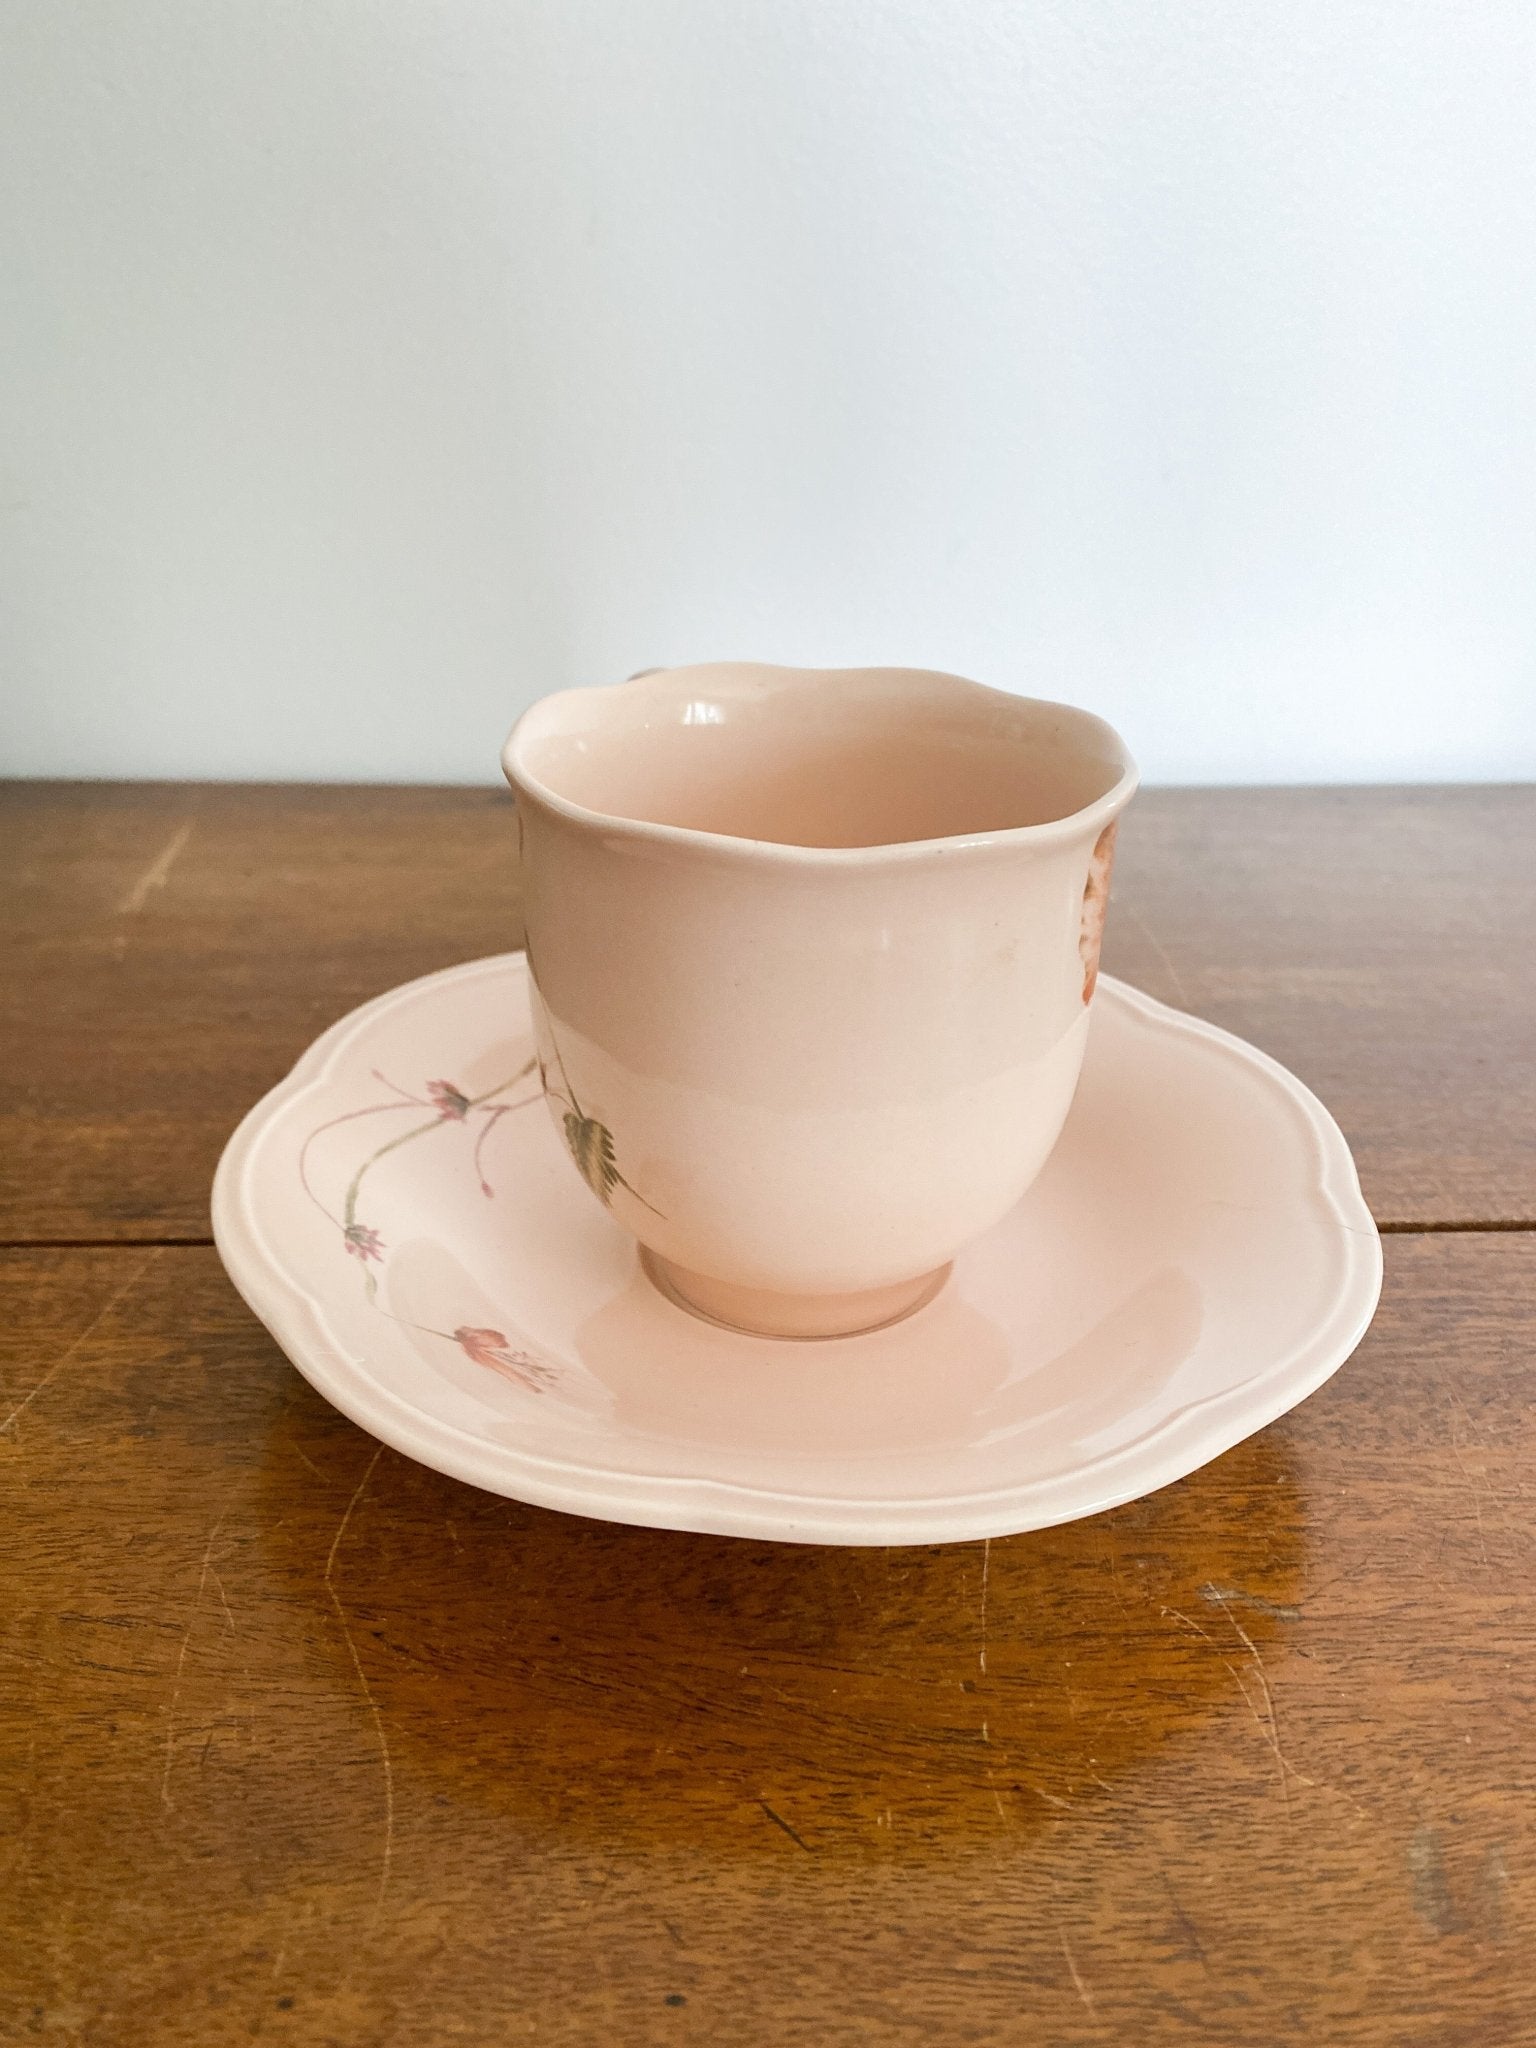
{"x":166,"y":952}
{"x":1382,"y":944}
{"x":302,"y":1743}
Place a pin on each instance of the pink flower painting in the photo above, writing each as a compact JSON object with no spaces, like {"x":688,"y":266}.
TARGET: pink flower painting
{"x":490,"y":1348}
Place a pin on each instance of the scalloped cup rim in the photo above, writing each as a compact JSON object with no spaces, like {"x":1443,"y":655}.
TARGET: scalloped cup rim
{"x":538,"y":721}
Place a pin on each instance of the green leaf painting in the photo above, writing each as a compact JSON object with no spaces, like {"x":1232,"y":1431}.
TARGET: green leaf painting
{"x":589,"y":1141}
{"x":591,"y":1146}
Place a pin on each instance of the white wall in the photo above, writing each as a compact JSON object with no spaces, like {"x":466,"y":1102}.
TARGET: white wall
{"x":368,"y":367}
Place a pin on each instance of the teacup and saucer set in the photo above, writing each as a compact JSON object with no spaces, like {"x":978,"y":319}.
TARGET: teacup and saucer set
{"x":803,"y":1179}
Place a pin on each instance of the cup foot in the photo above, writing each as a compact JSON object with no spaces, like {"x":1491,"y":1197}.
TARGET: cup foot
{"x":759,"y":1312}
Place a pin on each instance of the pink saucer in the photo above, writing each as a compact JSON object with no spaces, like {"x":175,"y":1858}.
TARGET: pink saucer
{"x":1194,"y":1260}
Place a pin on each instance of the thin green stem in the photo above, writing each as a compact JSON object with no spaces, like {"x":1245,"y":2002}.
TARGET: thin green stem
{"x":623,"y":1183}
{"x":550,"y":1025}
{"x":349,"y":1210}
{"x":349,"y":1206}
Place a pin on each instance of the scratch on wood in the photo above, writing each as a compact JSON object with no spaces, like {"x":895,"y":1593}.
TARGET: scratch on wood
{"x":1496,"y":1877}
{"x":1476,"y":1435}
{"x":1478,"y":1483}
{"x":1477,"y":1496}
{"x":385,"y":1760}
{"x":300,"y":1452}
{"x":1050,"y":1798}
{"x":1112,"y":1550}
{"x":1178,"y":1614}
{"x":1129,"y":910}
{"x":779,"y":1822}
{"x":1431,"y":1894}
{"x":1271,"y":1724}
{"x":156,"y":874}
{"x":1185,"y":1925}
{"x":1219,"y":1596}
{"x":1265,"y":1726}
{"x":1082,"y":1989}
{"x":166,"y":1800}
{"x":1468,"y":1479}
{"x":986,"y":1566}
{"x":85,"y":1335}
{"x":224,"y":1603}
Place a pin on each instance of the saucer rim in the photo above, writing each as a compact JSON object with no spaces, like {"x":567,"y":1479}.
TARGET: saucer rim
{"x":1180,"y":1442}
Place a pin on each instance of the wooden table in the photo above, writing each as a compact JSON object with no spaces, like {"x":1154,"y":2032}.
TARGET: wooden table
{"x":304,"y":1744}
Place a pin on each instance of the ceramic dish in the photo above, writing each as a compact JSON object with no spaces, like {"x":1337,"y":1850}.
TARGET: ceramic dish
{"x":1194,"y":1260}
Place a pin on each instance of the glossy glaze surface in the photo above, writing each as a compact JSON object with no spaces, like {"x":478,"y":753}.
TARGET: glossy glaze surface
{"x":812,"y":951}
{"x":1194,"y":1259}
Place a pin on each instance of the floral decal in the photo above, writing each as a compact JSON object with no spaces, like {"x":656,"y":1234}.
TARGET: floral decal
{"x":452,"y":1103}
{"x":447,"y":1104}
{"x":490,"y":1348}
{"x":589,"y":1142}
{"x":1095,"y":908}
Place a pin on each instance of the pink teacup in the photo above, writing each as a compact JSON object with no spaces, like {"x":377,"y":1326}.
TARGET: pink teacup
{"x":813,"y":952}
